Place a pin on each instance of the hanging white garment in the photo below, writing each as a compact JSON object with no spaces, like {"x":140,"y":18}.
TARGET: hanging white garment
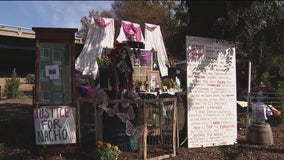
{"x":127,"y":29}
{"x":100,"y":35}
{"x":154,"y":40}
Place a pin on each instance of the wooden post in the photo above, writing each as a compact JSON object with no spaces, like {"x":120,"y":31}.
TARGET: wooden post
{"x":175,"y":130}
{"x":145,"y":132}
{"x":141,"y":117}
{"x":79,"y":124}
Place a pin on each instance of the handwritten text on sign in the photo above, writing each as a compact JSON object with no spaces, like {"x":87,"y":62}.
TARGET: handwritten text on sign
{"x":54,"y":125}
{"x":211,"y":92}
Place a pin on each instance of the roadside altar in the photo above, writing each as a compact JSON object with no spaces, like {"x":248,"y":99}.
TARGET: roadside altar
{"x":129,"y":115}
{"x":125,"y":76}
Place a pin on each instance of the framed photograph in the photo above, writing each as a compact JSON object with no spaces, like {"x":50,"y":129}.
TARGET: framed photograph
{"x":154,"y":80}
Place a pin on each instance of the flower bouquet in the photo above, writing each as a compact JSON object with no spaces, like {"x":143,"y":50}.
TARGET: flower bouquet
{"x":107,"y":151}
{"x":169,"y":82}
{"x":137,"y":85}
{"x":104,"y":61}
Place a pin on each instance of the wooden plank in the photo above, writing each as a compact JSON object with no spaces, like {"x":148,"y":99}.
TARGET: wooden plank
{"x":79,"y":124}
{"x":175,"y":130}
{"x":145,"y":133}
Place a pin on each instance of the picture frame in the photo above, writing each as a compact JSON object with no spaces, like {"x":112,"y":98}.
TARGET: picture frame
{"x":153,"y":78}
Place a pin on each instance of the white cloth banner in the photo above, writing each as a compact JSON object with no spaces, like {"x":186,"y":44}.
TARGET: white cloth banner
{"x":211,"y":92}
{"x":98,"y":37}
{"x":134,"y":28}
{"x":154,"y":40}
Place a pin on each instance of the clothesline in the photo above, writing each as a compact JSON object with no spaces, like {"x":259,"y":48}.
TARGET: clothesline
{"x":101,"y":35}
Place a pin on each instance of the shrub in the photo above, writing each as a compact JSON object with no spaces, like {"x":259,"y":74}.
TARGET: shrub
{"x":30,"y":78}
{"x":12,"y":86}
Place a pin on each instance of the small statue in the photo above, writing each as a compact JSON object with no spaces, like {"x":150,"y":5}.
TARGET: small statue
{"x":121,"y":76}
{"x":177,"y":82}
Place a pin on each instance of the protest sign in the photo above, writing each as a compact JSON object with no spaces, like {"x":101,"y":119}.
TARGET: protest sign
{"x":54,"y":125}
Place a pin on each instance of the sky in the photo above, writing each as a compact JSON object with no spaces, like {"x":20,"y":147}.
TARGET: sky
{"x":61,"y":14}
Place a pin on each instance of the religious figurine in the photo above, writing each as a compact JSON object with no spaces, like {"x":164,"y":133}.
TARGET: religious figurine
{"x":121,"y":77}
{"x":177,"y":82}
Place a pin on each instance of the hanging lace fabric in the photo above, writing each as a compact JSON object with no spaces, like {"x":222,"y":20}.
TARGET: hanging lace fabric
{"x":100,"y":35}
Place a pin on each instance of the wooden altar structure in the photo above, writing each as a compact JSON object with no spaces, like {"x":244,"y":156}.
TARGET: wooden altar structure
{"x":155,"y":133}
{"x":144,"y":123}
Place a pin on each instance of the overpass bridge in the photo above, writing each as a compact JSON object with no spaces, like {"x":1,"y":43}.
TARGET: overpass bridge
{"x":17,"y":50}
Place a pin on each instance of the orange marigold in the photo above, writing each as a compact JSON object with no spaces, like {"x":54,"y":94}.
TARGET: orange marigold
{"x":108,"y":145}
{"x":115,"y":148}
{"x":100,"y":143}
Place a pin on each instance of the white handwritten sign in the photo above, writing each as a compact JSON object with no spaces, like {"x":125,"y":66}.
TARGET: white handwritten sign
{"x":211,"y":92}
{"x":54,"y":125}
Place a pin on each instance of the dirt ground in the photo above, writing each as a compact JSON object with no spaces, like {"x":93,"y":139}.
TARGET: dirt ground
{"x":17,"y":140}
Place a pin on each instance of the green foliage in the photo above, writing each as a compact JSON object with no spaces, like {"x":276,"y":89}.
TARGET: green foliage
{"x":107,"y":151}
{"x":257,"y":31}
{"x":30,"y":78}
{"x":104,"y":61}
{"x":12,"y":86}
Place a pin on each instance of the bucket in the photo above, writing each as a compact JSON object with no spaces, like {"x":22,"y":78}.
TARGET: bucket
{"x":260,"y":134}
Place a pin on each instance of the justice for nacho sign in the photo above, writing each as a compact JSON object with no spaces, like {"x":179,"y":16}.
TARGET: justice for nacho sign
{"x":54,"y":125}
{"x":211,"y":92}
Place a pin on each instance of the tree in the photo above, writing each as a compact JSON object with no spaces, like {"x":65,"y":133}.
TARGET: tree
{"x":177,"y":40}
{"x":257,"y":31}
{"x":12,"y":86}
